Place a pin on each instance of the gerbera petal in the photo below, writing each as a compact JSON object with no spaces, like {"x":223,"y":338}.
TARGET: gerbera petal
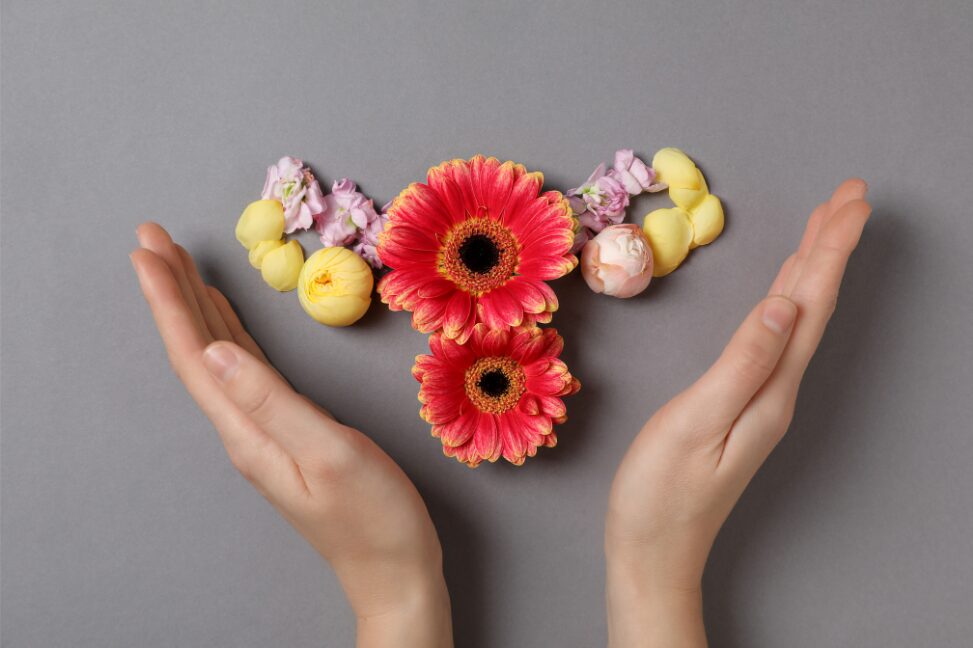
{"x":492,"y":183}
{"x":525,"y":190}
{"x":461,"y":429}
{"x":486,"y":440}
{"x":525,"y":293}
{"x":427,"y":316}
{"x":420,"y":206}
{"x":498,"y":309}
{"x":512,"y":441}
{"x":451,"y":195}
{"x":547,"y":268}
{"x":458,"y":312}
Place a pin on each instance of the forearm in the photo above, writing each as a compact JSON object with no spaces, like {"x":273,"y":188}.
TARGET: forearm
{"x":422,"y":619}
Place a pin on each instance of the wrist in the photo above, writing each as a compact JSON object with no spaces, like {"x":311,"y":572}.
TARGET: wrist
{"x":404,"y":609}
{"x":653,"y":600}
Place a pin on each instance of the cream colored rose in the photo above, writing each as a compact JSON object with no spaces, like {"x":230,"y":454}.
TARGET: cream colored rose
{"x":281,"y":266}
{"x":335,"y":286}
{"x":618,"y":262}
{"x":262,"y":220}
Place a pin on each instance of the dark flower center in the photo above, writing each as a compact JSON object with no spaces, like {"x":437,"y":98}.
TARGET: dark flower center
{"x":494,"y":383}
{"x":479,"y":253}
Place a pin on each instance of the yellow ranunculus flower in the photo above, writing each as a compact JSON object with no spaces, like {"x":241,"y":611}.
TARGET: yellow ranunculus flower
{"x":262,"y":220}
{"x":260,"y":250}
{"x":670,"y":234}
{"x":281,"y":266}
{"x":707,"y":220}
{"x":335,"y":286}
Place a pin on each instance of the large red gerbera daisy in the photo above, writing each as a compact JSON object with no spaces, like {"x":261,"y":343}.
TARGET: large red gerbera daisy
{"x":476,"y":243}
{"x":498,"y":395}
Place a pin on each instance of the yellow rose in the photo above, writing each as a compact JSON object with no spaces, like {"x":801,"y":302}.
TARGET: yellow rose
{"x":262,"y":220}
{"x":335,"y":286}
{"x":260,"y":250}
{"x":281,"y":266}
{"x":670,"y":235}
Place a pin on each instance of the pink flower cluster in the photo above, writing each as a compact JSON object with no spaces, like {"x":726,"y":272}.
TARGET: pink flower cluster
{"x":345,"y":217}
{"x":603,"y":198}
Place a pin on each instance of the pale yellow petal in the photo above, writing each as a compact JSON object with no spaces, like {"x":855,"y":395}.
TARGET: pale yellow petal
{"x":260,"y":250}
{"x":707,"y":220}
{"x":674,"y":168}
{"x":281,"y":266}
{"x":670,"y":234}
{"x":262,"y":220}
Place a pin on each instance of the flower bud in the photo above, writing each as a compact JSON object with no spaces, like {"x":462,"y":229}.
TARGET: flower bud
{"x":618,"y":262}
{"x":670,"y":234}
{"x":260,"y":250}
{"x":281,"y":266}
{"x":335,"y":286}
{"x":262,"y":220}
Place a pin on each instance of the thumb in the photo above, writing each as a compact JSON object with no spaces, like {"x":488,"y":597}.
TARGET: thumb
{"x":265,"y":398}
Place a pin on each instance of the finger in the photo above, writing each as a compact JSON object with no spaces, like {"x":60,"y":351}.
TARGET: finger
{"x":238,"y":333}
{"x":251,"y":450}
{"x":768,"y":415}
{"x":850,"y":189}
{"x":260,"y":393}
{"x":745,"y":365}
{"x":218,"y":328}
{"x":152,"y":236}
{"x":786,"y":268}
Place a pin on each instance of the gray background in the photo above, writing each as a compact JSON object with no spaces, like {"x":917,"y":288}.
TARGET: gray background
{"x":125,"y":525}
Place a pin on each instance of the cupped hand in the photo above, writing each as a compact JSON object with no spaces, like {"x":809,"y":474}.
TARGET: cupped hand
{"x":348,"y":499}
{"x":691,"y":462}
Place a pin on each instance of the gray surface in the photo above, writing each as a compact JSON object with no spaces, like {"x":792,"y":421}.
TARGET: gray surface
{"x":125,"y":525}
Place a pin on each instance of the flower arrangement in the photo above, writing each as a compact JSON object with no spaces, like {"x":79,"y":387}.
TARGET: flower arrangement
{"x":469,"y":253}
{"x":334,"y":289}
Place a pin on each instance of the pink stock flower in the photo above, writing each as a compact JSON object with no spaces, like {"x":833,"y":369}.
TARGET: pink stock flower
{"x":605,"y":199}
{"x":293,"y":184}
{"x":367,"y":245}
{"x":634,"y":174}
{"x":346,"y":213}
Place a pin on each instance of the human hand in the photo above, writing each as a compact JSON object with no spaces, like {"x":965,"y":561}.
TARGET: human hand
{"x":348,"y":499}
{"x":692,"y":460}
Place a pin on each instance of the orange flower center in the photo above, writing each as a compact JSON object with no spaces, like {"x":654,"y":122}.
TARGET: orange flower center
{"x":479,"y":254}
{"x":495,"y":384}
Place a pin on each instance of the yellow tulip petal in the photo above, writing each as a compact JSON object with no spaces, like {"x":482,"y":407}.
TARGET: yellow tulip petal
{"x":262,"y":220}
{"x":335,"y":286}
{"x":260,"y":250}
{"x":674,"y":168}
{"x":281,"y":266}
{"x":707,"y":220}
{"x":670,"y":234}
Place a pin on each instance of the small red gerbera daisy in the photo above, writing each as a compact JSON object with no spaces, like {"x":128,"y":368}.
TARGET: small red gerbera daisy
{"x":476,"y":243}
{"x":498,"y":395}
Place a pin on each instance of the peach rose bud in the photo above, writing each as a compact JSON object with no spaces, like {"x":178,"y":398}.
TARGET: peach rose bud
{"x":618,"y":262}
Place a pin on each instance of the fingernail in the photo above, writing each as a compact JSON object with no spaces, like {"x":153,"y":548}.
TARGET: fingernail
{"x":779,"y":314}
{"x":220,"y":361}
